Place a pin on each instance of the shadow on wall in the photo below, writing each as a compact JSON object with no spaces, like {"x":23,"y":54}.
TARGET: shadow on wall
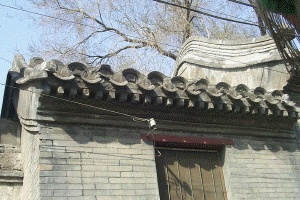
{"x":83,"y":134}
{"x":269,"y":143}
{"x":88,"y":134}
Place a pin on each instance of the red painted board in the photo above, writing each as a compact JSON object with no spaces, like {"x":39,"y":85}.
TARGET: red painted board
{"x":187,"y":140}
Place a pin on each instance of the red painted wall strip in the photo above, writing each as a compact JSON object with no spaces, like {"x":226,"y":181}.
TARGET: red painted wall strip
{"x":187,"y":140}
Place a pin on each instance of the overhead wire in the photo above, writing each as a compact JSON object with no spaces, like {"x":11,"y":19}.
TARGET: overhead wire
{"x":5,"y":60}
{"x":215,"y":55}
{"x":221,"y":13}
{"x":243,"y":3}
{"x":49,"y":16}
{"x":217,"y":17}
{"x":135,"y":118}
{"x":207,"y":14}
{"x":160,"y":1}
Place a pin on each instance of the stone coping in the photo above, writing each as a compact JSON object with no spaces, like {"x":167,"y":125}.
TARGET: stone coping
{"x":227,"y":54}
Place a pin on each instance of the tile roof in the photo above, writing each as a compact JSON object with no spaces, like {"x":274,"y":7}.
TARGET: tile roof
{"x":129,"y":85}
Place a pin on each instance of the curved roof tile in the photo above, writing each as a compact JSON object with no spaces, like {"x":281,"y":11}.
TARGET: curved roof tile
{"x":155,"y":88}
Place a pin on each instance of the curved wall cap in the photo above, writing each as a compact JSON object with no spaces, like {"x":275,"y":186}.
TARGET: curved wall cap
{"x":232,"y":61}
{"x":227,"y":54}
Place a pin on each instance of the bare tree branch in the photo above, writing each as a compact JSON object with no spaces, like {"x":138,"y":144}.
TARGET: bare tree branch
{"x":118,"y":31}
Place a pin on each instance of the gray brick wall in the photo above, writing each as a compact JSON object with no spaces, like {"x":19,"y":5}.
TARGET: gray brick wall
{"x":90,"y":163}
{"x":258,"y":168}
{"x":30,"y":160}
{"x":82,"y":162}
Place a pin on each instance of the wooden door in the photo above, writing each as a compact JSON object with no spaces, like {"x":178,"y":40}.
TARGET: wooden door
{"x":189,"y":175}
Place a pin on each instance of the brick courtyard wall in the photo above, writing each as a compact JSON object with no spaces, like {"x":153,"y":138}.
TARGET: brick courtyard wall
{"x":261,"y":168}
{"x":92,"y":162}
{"x":82,"y":162}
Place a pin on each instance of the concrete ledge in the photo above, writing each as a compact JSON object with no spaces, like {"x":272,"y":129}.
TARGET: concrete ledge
{"x":7,"y":176}
{"x":9,"y":132}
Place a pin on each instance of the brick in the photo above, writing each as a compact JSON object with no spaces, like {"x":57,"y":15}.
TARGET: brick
{"x":119,"y":156}
{"x":149,"y":163}
{"x":151,"y":186}
{"x":66,"y":155}
{"x":129,"y":151}
{"x":133,"y":180}
{"x":53,"y":173}
{"x":44,"y":167}
{"x":121,"y":180}
{"x":74,"y":186}
{"x":109,"y":197}
{"x":47,"y":180}
{"x":94,"y":156}
{"x":52,"y":149}
{"x":46,"y":142}
{"x":88,"y":174}
{"x":120,"y":168}
{"x":68,"y":193}
{"x":118,"y":145}
{"x":65,"y":143}
{"x":105,"y":150}
{"x":96,"y":192}
{"x":95,"y":180}
{"x":52,"y":161}
{"x":80,"y":161}
{"x":55,"y":186}
{"x":140,"y":169}
{"x":108,"y":186}
{"x":107,"y":162}
{"x":283,"y":190}
{"x":79,"y":149}
{"x":132,"y":162}
{"x":143,"y":157}
{"x":46,"y":155}
{"x":143,"y":146}
{"x":82,"y":198}
{"x":145,"y":192}
{"x":67,"y":167}
{"x":133,"y":186}
{"x":47,"y":193}
{"x":89,"y":186}
{"x":122,"y":192}
{"x":135,"y":197}
{"x":93,"y":144}
{"x":94,"y":168}
{"x":107,"y":174}
{"x":105,"y":139}
{"x":133,"y":174}
{"x":55,"y":198}
{"x":148,"y":151}
{"x":74,"y":173}
{"x":54,"y":137}
{"x":73,"y":180}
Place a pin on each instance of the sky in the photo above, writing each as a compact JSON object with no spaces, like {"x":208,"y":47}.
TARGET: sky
{"x":16,"y":33}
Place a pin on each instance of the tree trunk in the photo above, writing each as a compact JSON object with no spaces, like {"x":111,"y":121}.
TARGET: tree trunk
{"x":262,"y":28}
{"x":187,"y":26}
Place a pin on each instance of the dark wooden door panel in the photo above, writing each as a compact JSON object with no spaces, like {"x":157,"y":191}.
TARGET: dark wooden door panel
{"x":173,"y":175}
{"x":185,"y":175}
{"x":189,"y":175}
{"x":198,"y":192}
{"x":161,"y":176}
